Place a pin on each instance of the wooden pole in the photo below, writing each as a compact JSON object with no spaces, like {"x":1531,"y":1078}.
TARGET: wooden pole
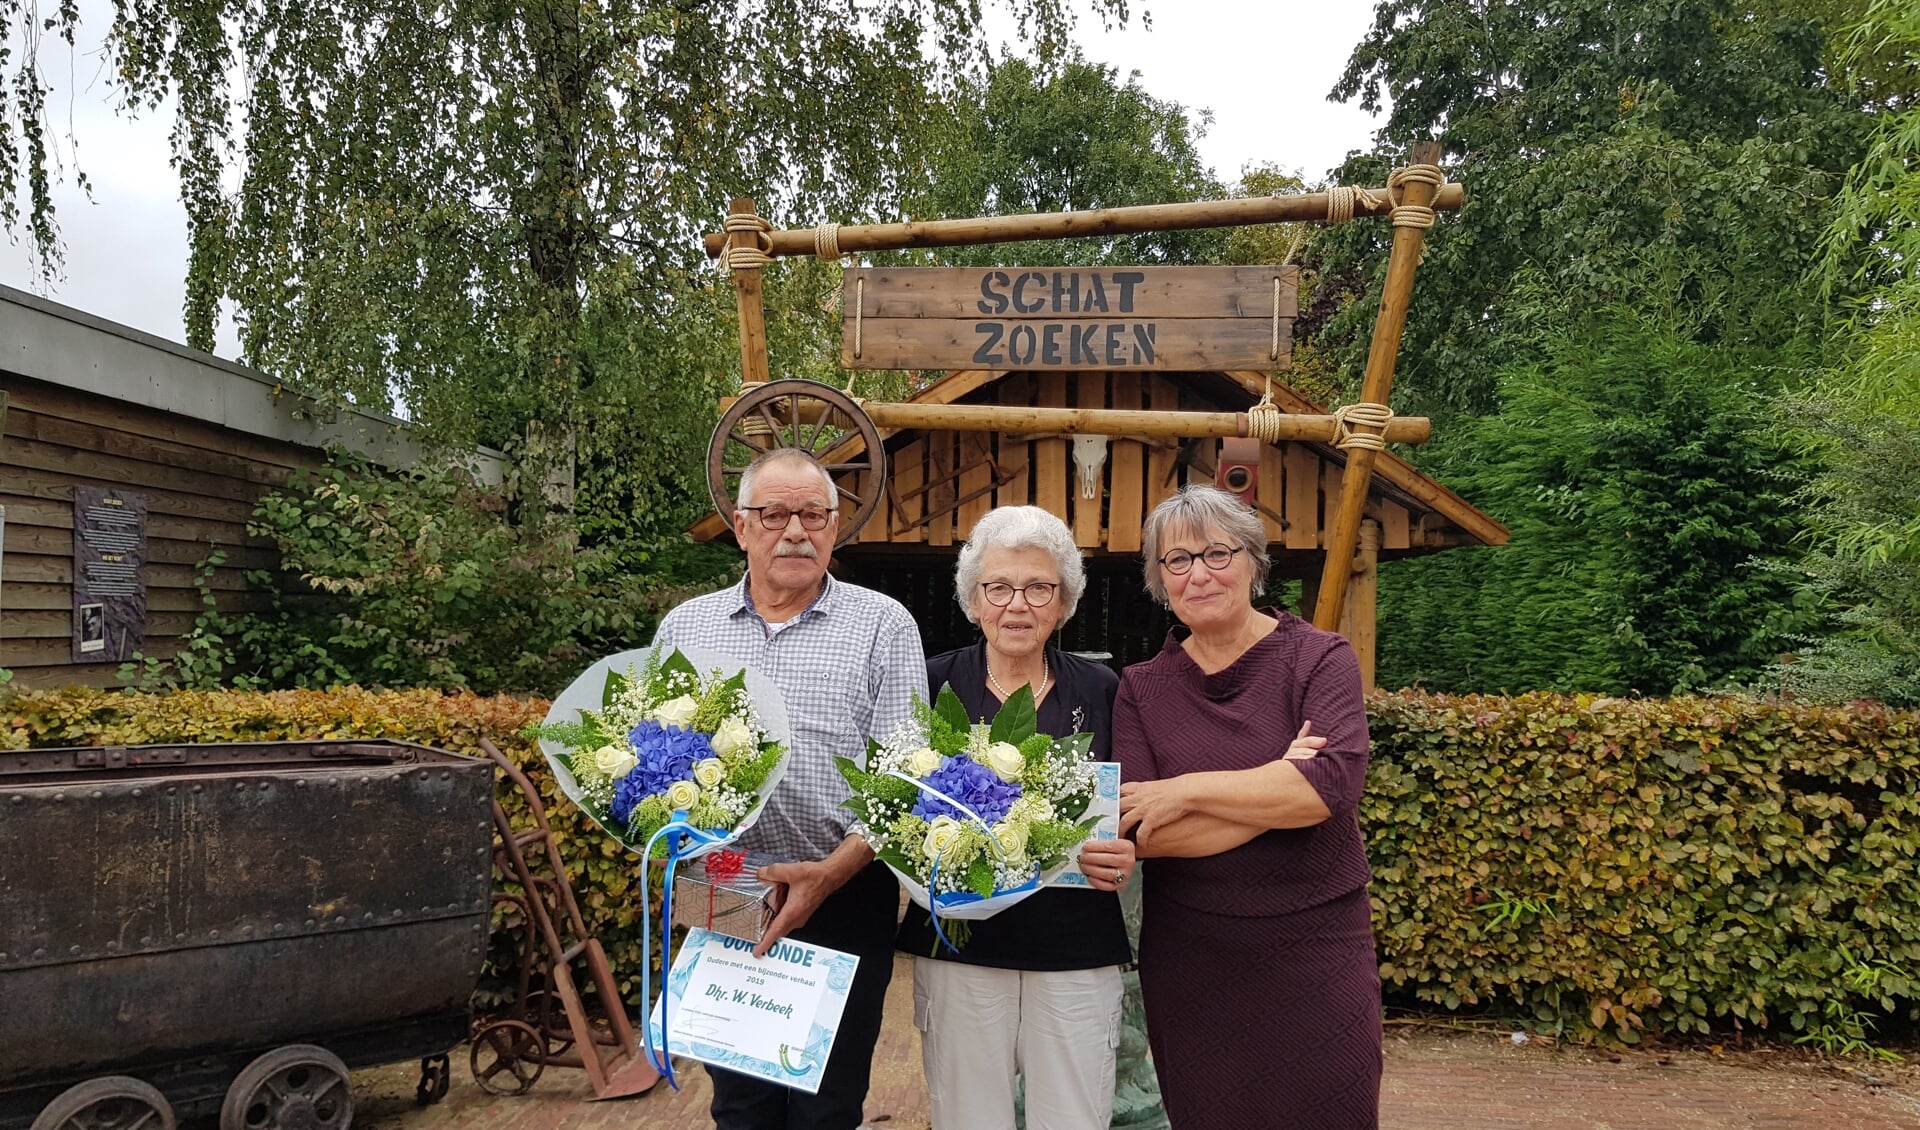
{"x":854,"y":239}
{"x":1021,"y":420}
{"x":1361,"y":619}
{"x":748,"y":294}
{"x":1395,"y":295}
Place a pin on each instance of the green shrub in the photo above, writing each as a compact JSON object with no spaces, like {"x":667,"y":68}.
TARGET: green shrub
{"x":1620,"y":866}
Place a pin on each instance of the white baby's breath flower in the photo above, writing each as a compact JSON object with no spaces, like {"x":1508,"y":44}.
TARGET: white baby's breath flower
{"x":1004,"y":759}
{"x":613,"y":761}
{"x":923,"y":761}
{"x":683,"y":794}
{"x":731,"y":737}
{"x":709,"y":772}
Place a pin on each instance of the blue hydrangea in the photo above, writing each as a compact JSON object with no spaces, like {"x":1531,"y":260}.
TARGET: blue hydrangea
{"x":970,"y":783}
{"x":665,"y":754}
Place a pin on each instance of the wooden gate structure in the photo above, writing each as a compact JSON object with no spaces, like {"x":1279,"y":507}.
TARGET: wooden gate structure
{"x":1094,"y":393}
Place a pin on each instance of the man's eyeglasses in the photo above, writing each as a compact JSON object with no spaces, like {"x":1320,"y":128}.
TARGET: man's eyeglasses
{"x":1180,"y":562}
{"x":776,"y":517}
{"x":1038,"y":594}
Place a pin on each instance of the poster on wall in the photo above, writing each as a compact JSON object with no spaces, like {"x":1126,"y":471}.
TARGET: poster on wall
{"x":109,"y":591}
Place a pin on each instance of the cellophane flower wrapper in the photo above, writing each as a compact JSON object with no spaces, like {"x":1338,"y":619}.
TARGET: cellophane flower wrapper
{"x":1029,"y":791}
{"x":645,"y":733}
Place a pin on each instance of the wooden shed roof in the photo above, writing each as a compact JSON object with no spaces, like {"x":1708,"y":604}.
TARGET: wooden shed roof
{"x":942,"y":482}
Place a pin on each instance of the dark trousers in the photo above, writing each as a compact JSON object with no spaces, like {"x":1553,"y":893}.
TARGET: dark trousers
{"x":859,"y":919}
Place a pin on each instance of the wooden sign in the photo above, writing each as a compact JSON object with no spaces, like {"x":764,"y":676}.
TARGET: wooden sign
{"x":1069,"y":318}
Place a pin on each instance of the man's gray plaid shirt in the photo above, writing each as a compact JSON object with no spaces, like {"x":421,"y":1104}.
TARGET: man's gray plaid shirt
{"x":847,"y":667}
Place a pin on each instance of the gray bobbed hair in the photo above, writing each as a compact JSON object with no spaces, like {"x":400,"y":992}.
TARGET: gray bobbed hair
{"x":1020,"y":527}
{"x":794,"y":455}
{"x":1210,"y":513}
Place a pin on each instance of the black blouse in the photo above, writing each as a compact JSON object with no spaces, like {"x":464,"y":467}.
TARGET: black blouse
{"x":1056,"y":928}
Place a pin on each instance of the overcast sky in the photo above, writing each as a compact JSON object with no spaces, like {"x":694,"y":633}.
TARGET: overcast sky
{"x":1262,"y":68}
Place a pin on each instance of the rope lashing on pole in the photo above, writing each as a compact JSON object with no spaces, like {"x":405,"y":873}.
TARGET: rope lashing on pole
{"x":1365,"y":415}
{"x":1412,"y":215}
{"x":1263,"y":419}
{"x":826,"y":241}
{"x":747,"y":256}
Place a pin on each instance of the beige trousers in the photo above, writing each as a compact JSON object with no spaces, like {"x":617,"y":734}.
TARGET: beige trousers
{"x":979,"y":1027}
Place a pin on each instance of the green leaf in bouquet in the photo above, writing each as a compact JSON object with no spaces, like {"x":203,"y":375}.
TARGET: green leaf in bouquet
{"x":1016,"y":719}
{"x":891,"y":790}
{"x":980,"y":877}
{"x":897,"y":859}
{"x":747,"y":775}
{"x":617,"y":684}
{"x":674,"y":664}
{"x":857,"y":777}
{"x":1036,"y":750}
{"x":1076,"y":747}
{"x":857,"y":805}
{"x":951,"y":710}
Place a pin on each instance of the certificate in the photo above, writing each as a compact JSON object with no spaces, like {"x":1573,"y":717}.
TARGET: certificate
{"x":773,"y":1017}
{"x":1106,"y":805}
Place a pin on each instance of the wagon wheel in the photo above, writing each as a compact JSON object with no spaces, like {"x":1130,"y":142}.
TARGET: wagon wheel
{"x":813,"y":417}
{"x":508,"y":1057}
{"x":296,"y":1087}
{"x":112,"y":1102}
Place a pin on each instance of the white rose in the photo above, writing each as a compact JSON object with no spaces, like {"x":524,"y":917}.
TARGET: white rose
{"x":923,"y":761}
{"x":940,"y":835}
{"x":1012,"y":837}
{"x":676,"y":711}
{"x":613,"y":761}
{"x":1004,"y":760}
{"x":709,"y":772}
{"x":733,"y":736}
{"x":682,"y":794}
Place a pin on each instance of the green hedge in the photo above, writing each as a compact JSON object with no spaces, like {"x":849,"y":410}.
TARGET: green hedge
{"x":1668,"y":865}
{"x":1603,"y":865}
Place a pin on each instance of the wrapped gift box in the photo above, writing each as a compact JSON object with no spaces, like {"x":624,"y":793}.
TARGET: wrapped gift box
{"x":719,"y":892}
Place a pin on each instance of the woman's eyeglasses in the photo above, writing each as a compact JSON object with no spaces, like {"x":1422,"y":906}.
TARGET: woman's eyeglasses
{"x":813,"y":518}
{"x":1180,"y":562}
{"x":1038,"y":594}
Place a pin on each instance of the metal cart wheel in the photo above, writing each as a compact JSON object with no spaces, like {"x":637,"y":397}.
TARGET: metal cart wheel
{"x":299,"y":1085}
{"x":546,"y":1012}
{"x":111,"y":1102}
{"x":813,"y":417}
{"x":508,"y":1057}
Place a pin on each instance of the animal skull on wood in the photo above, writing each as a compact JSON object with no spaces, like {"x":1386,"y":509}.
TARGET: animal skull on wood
{"x":1089,"y":456}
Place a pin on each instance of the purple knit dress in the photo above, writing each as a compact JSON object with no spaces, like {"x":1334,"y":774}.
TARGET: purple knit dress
{"x":1257,"y":965}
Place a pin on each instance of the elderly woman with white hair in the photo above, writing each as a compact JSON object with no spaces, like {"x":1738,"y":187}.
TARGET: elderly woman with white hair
{"x":1036,"y":989}
{"x":1243,"y":748}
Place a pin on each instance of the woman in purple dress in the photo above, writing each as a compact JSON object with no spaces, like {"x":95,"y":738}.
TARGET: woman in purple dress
{"x":1243,"y":747}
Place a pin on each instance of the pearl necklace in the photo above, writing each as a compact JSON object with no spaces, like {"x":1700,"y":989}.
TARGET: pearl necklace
{"x":1046,"y":679}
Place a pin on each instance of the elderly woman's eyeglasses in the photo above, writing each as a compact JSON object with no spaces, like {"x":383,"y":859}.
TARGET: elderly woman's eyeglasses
{"x":1038,"y":594}
{"x":1180,"y":562}
{"x":776,"y":517}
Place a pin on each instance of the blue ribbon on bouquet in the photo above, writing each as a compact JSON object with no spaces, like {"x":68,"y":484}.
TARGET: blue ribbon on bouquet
{"x":680,"y":831}
{"x":956,"y":898}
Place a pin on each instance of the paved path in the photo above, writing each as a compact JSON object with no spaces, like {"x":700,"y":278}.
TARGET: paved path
{"x":1434,"y":1081}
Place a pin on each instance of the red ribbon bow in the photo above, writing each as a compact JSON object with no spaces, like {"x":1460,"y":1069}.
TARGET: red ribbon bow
{"x":722,"y":865}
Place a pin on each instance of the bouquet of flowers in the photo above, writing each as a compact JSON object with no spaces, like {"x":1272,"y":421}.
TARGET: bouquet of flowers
{"x":973,"y":817}
{"x":645,"y":735}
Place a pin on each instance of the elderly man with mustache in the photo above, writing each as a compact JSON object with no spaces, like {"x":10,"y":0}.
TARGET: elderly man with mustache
{"x":848,"y":663}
